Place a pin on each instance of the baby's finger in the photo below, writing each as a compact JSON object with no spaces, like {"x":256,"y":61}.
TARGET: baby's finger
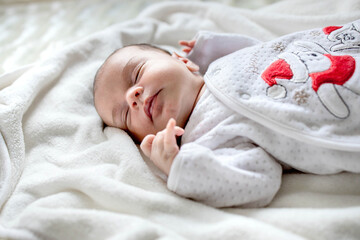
{"x":187,"y":50}
{"x":169,"y":139}
{"x":192,"y":43}
{"x":179,"y":131}
{"x":158,"y":143}
{"x":184,"y":43}
{"x":146,"y":144}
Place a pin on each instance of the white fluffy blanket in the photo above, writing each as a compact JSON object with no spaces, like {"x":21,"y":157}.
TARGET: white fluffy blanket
{"x":63,"y":177}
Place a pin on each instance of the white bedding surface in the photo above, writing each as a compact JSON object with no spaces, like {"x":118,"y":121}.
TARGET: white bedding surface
{"x":34,"y":29}
{"x":63,"y":177}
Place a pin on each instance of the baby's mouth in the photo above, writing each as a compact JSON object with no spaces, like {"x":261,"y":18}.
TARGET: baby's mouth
{"x":149,"y":105}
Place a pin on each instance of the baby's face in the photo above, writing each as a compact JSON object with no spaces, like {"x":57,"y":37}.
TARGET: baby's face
{"x":141,"y":89}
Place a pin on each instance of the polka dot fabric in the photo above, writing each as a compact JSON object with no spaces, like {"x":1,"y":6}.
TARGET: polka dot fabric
{"x":217,"y":166}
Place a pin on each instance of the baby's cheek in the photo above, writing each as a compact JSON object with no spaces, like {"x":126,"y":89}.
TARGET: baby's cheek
{"x":141,"y":130}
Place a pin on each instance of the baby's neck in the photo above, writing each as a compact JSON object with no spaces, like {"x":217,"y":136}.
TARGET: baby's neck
{"x":201,"y":91}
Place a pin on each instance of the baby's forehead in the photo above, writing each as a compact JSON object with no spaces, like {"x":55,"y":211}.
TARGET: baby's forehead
{"x":134,"y":49}
{"x":130,"y":53}
{"x":143,"y":47}
{"x":121,"y":57}
{"x":124,"y":54}
{"x":121,"y":60}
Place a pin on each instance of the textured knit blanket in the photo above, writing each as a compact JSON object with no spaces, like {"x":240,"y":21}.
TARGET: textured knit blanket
{"x":62,"y":176}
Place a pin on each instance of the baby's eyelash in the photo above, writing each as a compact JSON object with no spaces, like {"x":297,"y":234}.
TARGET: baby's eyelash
{"x":137,"y":74}
{"x":126,"y":118}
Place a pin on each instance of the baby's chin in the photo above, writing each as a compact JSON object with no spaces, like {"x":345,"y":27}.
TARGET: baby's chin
{"x":138,"y":136}
{"x":179,"y":121}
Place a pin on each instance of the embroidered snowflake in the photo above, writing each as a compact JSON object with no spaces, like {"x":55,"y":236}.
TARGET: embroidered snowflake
{"x":301,"y":97}
{"x":315,"y":33}
{"x":278,"y":46}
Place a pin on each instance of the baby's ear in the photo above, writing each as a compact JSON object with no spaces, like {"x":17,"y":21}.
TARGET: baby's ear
{"x":189,"y":64}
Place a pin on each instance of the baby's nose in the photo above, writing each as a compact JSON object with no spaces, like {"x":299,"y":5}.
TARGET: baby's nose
{"x":134,"y":97}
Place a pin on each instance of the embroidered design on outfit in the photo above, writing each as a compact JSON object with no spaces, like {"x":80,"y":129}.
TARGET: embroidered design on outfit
{"x":301,"y":97}
{"x":253,"y":68}
{"x":278,"y":47}
{"x":315,"y":33}
{"x":324,"y":70}
{"x":346,"y":37}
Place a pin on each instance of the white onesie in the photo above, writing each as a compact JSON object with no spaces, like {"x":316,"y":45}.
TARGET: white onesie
{"x":265,"y":106}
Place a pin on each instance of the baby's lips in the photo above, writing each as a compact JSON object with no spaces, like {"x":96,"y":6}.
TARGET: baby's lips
{"x":147,"y":106}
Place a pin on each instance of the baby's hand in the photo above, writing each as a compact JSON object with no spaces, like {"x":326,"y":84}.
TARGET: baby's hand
{"x":189,"y":45}
{"x":162,"y":147}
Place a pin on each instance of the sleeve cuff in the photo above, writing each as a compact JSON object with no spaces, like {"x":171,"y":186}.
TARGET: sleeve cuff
{"x":174,"y":174}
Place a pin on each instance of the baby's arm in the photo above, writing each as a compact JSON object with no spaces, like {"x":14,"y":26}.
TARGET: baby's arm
{"x":162,"y":147}
{"x":208,"y":46}
{"x":239,"y":175}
